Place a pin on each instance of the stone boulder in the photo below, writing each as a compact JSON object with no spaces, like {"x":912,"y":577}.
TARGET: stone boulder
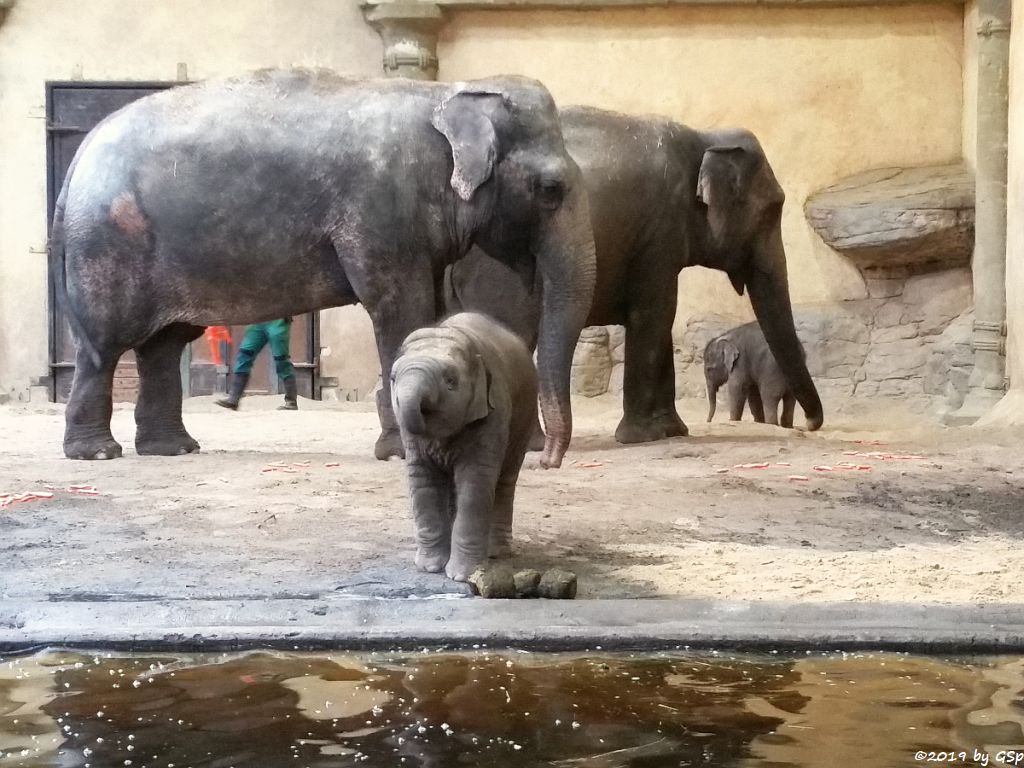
{"x":591,"y":363}
{"x":892,"y":218}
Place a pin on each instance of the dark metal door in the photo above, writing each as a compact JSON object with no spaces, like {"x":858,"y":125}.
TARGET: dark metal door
{"x":72,"y":110}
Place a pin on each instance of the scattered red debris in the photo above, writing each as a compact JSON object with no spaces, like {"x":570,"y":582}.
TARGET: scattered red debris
{"x":7,"y":499}
{"x":846,"y":465}
{"x":247,"y":679}
{"x":800,"y":478}
{"x":883,"y":456}
{"x":83,"y":490}
{"x":590,"y":465}
{"x":755,"y":465}
{"x":333,"y":464}
{"x":822,"y":468}
{"x":722,"y":470}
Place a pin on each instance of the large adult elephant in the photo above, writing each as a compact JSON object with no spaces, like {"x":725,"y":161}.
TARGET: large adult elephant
{"x":662,"y":197}
{"x":281,"y":192}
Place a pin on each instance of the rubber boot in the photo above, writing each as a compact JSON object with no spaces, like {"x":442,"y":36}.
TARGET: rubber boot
{"x":291,"y":395}
{"x":235,"y":391}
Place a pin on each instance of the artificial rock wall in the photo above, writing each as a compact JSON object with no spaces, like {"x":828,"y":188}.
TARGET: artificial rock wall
{"x":911,"y":338}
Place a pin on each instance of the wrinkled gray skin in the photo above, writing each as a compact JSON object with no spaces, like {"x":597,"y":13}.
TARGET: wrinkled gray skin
{"x":663,"y":197}
{"x":742,"y":359}
{"x":465,"y":396}
{"x":282,"y":192}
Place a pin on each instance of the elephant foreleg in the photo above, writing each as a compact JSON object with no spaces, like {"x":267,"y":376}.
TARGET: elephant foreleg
{"x":87,"y":418}
{"x":159,"y":428}
{"x":738,"y":393}
{"x":649,"y":387}
{"x":398,"y":304}
{"x":475,"y":487}
{"x":504,"y":499}
{"x":431,"y":493}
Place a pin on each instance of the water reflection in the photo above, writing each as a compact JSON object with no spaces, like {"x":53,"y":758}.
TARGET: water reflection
{"x":502,"y":709}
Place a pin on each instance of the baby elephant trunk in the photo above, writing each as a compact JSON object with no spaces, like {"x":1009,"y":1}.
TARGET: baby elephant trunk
{"x":415,"y":396}
{"x":712,"y":396}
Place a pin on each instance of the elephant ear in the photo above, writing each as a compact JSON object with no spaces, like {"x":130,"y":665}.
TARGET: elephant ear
{"x":730,"y":354}
{"x":719,"y":185}
{"x":463,"y":119}
{"x":481,"y":404}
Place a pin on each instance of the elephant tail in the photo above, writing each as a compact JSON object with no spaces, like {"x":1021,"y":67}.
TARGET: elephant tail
{"x":58,"y":270}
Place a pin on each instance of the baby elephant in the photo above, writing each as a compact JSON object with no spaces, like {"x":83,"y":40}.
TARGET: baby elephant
{"x":465,"y":398}
{"x":742,"y":358}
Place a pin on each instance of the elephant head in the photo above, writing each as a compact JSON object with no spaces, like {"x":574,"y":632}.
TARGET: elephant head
{"x":739,"y":228}
{"x":439,"y":384}
{"x":720,"y":356}
{"x":520,"y":196}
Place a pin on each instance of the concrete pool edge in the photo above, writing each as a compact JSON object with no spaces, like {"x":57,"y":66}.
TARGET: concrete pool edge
{"x":363,"y":624}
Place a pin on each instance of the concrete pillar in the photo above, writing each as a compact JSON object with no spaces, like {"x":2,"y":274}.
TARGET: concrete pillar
{"x":987,"y":383}
{"x":409,"y":31}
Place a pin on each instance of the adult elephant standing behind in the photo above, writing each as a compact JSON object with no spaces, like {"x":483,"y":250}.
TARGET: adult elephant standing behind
{"x":281,"y":192}
{"x":663,"y":197}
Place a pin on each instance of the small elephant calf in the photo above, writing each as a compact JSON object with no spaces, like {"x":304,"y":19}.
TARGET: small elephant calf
{"x":465,"y":398}
{"x":742,"y":358}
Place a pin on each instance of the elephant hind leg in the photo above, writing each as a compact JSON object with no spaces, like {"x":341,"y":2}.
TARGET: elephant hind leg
{"x":87,"y":432}
{"x":159,"y":428}
{"x":756,"y":405}
{"x":771,"y":409}
{"x":788,"y":406}
{"x":738,"y":393}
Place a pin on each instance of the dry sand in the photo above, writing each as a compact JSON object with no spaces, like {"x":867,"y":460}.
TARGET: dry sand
{"x":648,"y":521}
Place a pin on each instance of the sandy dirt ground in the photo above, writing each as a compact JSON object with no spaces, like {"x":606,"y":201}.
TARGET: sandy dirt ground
{"x":675,"y":518}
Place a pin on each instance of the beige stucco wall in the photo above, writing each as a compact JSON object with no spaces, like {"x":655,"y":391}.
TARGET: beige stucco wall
{"x":125,"y":40}
{"x":829,"y":92}
{"x":970,"y":70}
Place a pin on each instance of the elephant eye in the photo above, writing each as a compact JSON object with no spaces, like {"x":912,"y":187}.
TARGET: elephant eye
{"x":451,"y":381}
{"x":550,"y":193}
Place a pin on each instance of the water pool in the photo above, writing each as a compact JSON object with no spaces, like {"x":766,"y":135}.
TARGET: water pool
{"x":509,"y":708}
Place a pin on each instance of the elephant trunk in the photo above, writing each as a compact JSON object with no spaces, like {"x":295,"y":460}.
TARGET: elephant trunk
{"x":566,"y":261}
{"x":712,"y":396}
{"x":768,"y":285}
{"x":414,"y":393}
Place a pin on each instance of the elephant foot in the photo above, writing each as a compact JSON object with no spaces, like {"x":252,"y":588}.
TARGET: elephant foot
{"x":461,"y":568}
{"x":500,"y":549}
{"x":634,"y":430}
{"x":389,"y":444}
{"x":92,"y":450}
{"x":431,"y":560}
{"x":166,"y":445}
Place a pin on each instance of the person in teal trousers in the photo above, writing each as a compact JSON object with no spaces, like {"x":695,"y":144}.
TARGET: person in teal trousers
{"x":256,"y":337}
